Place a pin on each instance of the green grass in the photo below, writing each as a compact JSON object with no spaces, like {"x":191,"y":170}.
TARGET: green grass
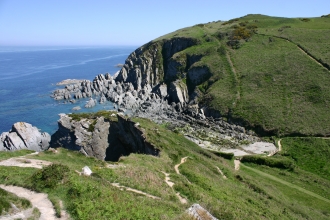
{"x":262,"y":192}
{"x":272,"y":85}
{"x":9,"y":154}
{"x":310,"y":154}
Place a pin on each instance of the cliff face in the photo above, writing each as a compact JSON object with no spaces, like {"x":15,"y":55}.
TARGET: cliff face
{"x":162,"y":63}
{"x":100,"y":138}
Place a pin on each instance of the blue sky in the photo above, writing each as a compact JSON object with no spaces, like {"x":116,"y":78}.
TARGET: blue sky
{"x":130,"y":22}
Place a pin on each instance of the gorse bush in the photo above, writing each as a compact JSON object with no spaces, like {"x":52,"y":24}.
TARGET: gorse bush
{"x":241,"y":33}
{"x":282,"y":163}
{"x":49,"y":177}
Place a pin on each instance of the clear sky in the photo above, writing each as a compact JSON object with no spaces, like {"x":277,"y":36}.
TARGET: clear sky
{"x":130,"y":22}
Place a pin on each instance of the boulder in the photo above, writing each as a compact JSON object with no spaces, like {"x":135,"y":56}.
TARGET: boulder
{"x":91,"y":103}
{"x":86,"y":171}
{"x":199,"y":213}
{"x":178,"y":92}
{"x":24,"y":136}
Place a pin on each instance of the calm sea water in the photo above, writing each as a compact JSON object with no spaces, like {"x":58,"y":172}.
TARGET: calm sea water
{"x":28,"y":75}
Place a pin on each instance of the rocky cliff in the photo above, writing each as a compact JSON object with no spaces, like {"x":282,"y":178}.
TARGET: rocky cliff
{"x":24,"y":136}
{"x":102,"y":138}
{"x":154,"y":71}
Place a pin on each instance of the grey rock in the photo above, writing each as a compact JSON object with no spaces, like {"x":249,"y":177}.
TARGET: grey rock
{"x":199,"y":213}
{"x":91,"y":103}
{"x":77,"y":108}
{"x":107,"y":140}
{"x":178,"y":92}
{"x":103,"y":99}
{"x":24,"y":136}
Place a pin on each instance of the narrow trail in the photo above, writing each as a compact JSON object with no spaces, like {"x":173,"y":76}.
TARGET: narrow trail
{"x":171,"y":184}
{"x":176,"y":167}
{"x":22,"y":161}
{"x":237,"y":164}
{"x":287,"y":183}
{"x":38,"y":200}
{"x":279,"y":145}
{"x":134,"y":190}
{"x":223,"y":175}
{"x":304,"y":51}
{"x":238,"y":94}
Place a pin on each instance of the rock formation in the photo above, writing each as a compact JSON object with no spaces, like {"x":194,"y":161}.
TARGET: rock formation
{"x":24,"y":136}
{"x":199,"y":213}
{"x":153,"y":71}
{"x":100,"y":138}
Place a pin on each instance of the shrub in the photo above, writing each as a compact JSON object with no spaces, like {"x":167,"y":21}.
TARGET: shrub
{"x":282,"y":163}
{"x":305,"y":19}
{"x":49,"y":177}
{"x":240,"y":33}
{"x":230,"y":21}
{"x":235,"y":44}
{"x":228,"y":156}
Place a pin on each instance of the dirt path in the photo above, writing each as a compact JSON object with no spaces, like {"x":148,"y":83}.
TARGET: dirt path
{"x":22,"y":161}
{"x":238,"y":94}
{"x":134,"y":190}
{"x":176,"y":167}
{"x":171,"y":184}
{"x":279,"y":145}
{"x":237,"y":164}
{"x":38,"y":200}
{"x":287,"y":183}
{"x":223,"y":175}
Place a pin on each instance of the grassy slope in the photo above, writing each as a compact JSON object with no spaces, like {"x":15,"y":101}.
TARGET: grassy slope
{"x":268,"y":82}
{"x":244,"y":194}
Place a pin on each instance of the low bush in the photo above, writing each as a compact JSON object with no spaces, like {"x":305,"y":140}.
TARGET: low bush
{"x":228,"y":156}
{"x":282,"y":163}
{"x":49,"y":177}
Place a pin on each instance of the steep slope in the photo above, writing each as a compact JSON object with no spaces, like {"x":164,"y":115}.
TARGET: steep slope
{"x":268,"y":73}
{"x":108,"y":192}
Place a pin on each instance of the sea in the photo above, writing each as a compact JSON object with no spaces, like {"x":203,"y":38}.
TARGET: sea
{"x":28,"y":75}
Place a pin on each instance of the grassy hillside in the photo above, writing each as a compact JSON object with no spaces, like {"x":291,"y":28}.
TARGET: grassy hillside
{"x":270,"y":73}
{"x":248,"y":193}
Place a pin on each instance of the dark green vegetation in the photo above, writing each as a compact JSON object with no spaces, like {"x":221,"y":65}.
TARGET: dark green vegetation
{"x":269,"y":73}
{"x":282,"y":163}
{"x":109,"y":115}
{"x":310,"y":154}
{"x":254,"y":192}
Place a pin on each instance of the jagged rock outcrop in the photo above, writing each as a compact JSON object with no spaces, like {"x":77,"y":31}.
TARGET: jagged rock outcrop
{"x":91,"y":103}
{"x":199,"y":213}
{"x":100,"y":138}
{"x":152,"y":72}
{"x":24,"y":136}
{"x":88,"y":136}
{"x":178,"y":92}
{"x":133,"y":137}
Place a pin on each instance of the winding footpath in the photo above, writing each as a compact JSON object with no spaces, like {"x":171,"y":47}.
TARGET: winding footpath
{"x":176,"y":167}
{"x":22,"y":161}
{"x":38,"y":200}
{"x":171,"y":184}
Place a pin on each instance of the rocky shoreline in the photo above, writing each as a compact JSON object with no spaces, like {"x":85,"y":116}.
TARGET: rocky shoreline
{"x":148,"y":88}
